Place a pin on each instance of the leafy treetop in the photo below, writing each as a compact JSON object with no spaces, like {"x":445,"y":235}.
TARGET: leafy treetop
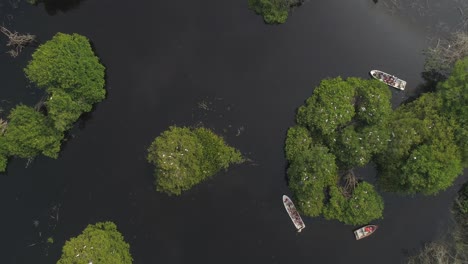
{"x":184,"y":157}
{"x":99,"y":243}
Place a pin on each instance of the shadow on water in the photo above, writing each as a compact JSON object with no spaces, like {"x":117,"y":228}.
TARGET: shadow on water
{"x":431,"y":79}
{"x":52,"y":7}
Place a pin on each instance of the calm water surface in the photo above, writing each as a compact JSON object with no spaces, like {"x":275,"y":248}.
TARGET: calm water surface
{"x":163,"y":58}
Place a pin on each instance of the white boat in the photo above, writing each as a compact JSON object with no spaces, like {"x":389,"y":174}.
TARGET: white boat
{"x":293,"y":213}
{"x":389,"y":79}
{"x":365,"y":231}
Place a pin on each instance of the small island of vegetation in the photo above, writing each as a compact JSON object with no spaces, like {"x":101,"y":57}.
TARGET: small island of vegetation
{"x":71,"y":74}
{"x":273,"y":11}
{"x":421,"y":147}
{"x":184,"y":157}
{"x":99,"y":243}
{"x":341,"y":126}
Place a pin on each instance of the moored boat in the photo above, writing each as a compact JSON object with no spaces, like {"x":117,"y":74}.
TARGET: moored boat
{"x":293,"y":213}
{"x":365,"y":231}
{"x":388,"y":79}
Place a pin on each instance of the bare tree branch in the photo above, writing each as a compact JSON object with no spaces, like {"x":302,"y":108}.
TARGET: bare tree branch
{"x":17,"y":41}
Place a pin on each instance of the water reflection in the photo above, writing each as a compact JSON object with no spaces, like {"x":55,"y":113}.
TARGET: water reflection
{"x":53,"y":6}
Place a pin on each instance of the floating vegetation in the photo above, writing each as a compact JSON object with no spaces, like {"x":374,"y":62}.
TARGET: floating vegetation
{"x":203,"y":105}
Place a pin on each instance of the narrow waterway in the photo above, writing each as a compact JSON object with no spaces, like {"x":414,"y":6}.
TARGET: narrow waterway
{"x":165,"y":58}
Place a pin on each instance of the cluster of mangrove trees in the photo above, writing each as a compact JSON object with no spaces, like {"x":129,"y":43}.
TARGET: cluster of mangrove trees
{"x":184,"y":157}
{"x":73,"y":78}
{"x":99,"y":243}
{"x":420,"y":147}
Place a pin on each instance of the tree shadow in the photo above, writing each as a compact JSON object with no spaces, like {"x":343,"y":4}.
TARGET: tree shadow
{"x":52,"y":7}
{"x":431,"y":79}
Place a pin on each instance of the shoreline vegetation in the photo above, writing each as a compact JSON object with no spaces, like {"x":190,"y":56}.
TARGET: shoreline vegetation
{"x":274,"y":11}
{"x":453,"y":250}
{"x":420,"y":147}
{"x":184,"y":157}
{"x":73,"y":78}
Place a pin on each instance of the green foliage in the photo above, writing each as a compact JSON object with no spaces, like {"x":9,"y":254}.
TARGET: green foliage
{"x":67,"y":62}
{"x":74,"y":79}
{"x":216,"y":154}
{"x":184,"y":157}
{"x":454,"y":93}
{"x":422,"y":156}
{"x":372,"y":101}
{"x":309,"y":174}
{"x":431,"y":168}
{"x":99,"y":243}
{"x":29,"y":133}
{"x":68,"y":69}
{"x":364,"y":205}
{"x":337,"y":204}
{"x":3,"y":162}
{"x":350,"y":117}
{"x":50,"y":240}
{"x":64,"y":110}
{"x":329,"y":107}
{"x":3,"y":153}
{"x":344,"y":124}
{"x":273,"y":11}
{"x":298,"y":140}
{"x":461,"y":203}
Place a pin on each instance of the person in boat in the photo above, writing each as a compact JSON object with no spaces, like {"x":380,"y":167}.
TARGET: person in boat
{"x":368,"y":229}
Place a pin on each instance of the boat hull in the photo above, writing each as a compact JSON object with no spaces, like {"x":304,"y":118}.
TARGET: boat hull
{"x":389,"y":79}
{"x":293,"y":213}
{"x":365,"y":231}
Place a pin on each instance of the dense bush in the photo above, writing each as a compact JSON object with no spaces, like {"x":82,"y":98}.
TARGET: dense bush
{"x":273,"y":11}
{"x":341,"y":126}
{"x":99,"y":243}
{"x":71,"y":74}
{"x":184,"y":157}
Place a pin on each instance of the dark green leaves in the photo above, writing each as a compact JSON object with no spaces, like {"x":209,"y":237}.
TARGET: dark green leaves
{"x":73,"y":77}
{"x":184,"y":157}
{"x":273,"y":11}
{"x":99,"y":243}
{"x":341,"y":126}
{"x":29,"y":133}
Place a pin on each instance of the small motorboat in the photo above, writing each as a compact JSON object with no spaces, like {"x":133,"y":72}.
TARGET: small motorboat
{"x":293,"y":213}
{"x":388,"y":79}
{"x":365,"y":231}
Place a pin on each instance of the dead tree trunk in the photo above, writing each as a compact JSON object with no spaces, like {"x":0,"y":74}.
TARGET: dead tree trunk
{"x":17,"y":41}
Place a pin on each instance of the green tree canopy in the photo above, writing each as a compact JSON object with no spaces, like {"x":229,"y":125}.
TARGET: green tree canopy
{"x":68,"y":70}
{"x":454,"y":93}
{"x":298,"y":140}
{"x":363,"y":206}
{"x":344,"y":124}
{"x":29,"y":133}
{"x":71,"y":73}
{"x":422,"y":155}
{"x":350,"y":117}
{"x":273,"y":11}
{"x":99,"y":243}
{"x":309,"y":174}
{"x":184,"y":157}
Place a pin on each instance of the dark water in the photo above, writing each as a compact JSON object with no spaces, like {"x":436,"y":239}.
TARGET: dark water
{"x":163,"y":58}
